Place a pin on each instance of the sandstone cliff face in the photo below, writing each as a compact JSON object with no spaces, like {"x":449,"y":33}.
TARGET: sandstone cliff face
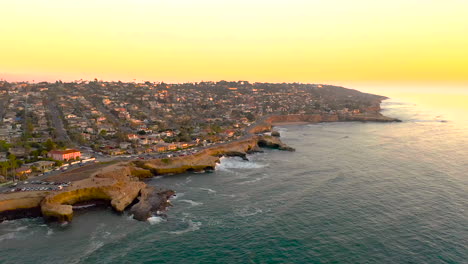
{"x":316,"y":118}
{"x":114,"y":185}
{"x":203,"y":160}
{"x":19,"y":205}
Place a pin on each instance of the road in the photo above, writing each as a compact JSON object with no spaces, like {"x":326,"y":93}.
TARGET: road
{"x":57,"y":122}
{"x":4,"y":100}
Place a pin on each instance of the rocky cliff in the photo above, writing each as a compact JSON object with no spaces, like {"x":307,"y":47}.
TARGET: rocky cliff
{"x":151,"y":201}
{"x":114,"y":183}
{"x":206,"y":159}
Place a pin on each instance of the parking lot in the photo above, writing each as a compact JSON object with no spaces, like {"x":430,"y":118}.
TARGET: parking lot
{"x":26,"y":186}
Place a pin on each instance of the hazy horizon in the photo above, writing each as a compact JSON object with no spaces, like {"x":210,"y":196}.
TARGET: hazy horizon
{"x":335,"y":42}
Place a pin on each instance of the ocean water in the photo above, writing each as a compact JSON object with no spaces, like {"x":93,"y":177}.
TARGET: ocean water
{"x":351,"y":193}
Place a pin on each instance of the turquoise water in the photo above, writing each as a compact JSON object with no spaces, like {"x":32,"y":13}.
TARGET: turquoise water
{"x":351,"y":193}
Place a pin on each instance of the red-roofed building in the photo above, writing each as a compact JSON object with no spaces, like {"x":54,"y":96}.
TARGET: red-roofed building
{"x":64,"y":154}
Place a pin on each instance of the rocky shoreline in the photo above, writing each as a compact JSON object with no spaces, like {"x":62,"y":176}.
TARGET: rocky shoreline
{"x":121,"y":185}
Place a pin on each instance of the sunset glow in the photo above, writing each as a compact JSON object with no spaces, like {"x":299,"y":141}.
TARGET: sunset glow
{"x":337,"y":41}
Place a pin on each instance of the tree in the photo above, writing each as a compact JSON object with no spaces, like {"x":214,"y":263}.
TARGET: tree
{"x":4,"y":146}
{"x":13,"y":164}
{"x":49,"y":145}
{"x":4,"y":166}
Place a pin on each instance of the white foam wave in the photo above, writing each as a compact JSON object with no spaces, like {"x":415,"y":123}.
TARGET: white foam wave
{"x":248,"y":211}
{"x":94,"y":245}
{"x":14,"y":230}
{"x":229,"y":195}
{"x":155,"y":220}
{"x":21,"y":228}
{"x":50,"y":232}
{"x":208,"y":190}
{"x":192,"y":203}
{"x":237,"y":163}
{"x":130,"y":217}
{"x":7,"y":236}
{"x":192,"y":226}
{"x":83,"y":206}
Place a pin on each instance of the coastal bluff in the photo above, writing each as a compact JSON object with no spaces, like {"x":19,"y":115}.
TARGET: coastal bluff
{"x":120,"y":183}
{"x":266,"y":124}
{"x":114,"y":184}
{"x":206,"y":159}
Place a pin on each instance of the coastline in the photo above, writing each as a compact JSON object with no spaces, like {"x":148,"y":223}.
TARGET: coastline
{"x":120,"y":183}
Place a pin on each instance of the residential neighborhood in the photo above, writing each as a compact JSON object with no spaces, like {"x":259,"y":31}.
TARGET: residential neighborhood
{"x":58,"y":122}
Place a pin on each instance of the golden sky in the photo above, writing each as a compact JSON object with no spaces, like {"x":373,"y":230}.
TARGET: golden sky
{"x":318,"y":41}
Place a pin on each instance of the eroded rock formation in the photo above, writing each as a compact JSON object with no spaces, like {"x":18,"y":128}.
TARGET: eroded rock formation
{"x":151,"y":201}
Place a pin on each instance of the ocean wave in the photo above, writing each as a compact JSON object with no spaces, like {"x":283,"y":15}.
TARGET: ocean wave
{"x":192,"y":203}
{"x":155,"y":220}
{"x":7,"y":236}
{"x":248,"y":211}
{"x":208,"y":190}
{"x":254,"y":180}
{"x":21,"y":228}
{"x":192,"y":226}
{"x":94,"y":245}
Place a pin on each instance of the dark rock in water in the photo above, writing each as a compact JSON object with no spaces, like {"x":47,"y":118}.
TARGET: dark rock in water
{"x":151,"y":200}
{"x":275,"y":134}
{"x":273,"y":142}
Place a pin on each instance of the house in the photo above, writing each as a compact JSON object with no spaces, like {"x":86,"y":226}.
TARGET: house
{"x":163,"y":147}
{"x":23,"y":171}
{"x":44,"y":165}
{"x":124,"y":145}
{"x":18,"y":152}
{"x":229,"y":132}
{"x":64,"y":154}
{"x":132,"y":137}
{"x":182,"y":145}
